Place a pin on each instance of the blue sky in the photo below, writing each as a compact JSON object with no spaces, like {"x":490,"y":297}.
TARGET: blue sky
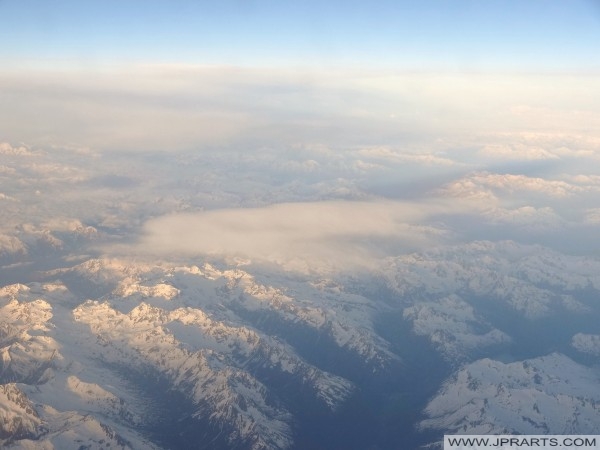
{"x":433,"y":34}
{"x":181,"y":74}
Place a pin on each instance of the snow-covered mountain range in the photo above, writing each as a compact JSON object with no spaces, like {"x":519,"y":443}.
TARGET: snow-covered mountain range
{"x":170,"y":355}
{"x":317,"y":312}
{"x":547,"y":395}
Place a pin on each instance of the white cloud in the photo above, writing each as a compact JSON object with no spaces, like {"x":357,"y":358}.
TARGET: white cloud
{"x":59,"y":170}
{"x":484,"y":193}
{"x":167,"y":107}
{"x":510,"y":182}
{"x":529,"y":217}
{"x":569,"y":115}
{"x":590,"y":181}
{"x":300,"y":236}
{"x":517,"y":152}
{"x":389,"y":155}
{"x":538,"y":145}
{"x":468,"y":189}
{"x":309,"y":165}
{"x":483,"y":184}
{"x":8,"y":149}
{"x":363,"y":166}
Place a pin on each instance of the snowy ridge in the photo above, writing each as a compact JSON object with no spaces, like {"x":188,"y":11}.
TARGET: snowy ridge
{"x":68,"y":392}
{"x":517,"y":275}
{"x":453,"y":327}
{"x":11,"y":247}
{"x":18,"y":417}
{"x":112,"y":349}
{"x":51,"y":237}
{"x":198,"y":329}
{"x":176,"y":321}
{"x":244,"y":344}
{"x":48,"y":395}
{"x":73,"y":431}
{"x":546,"y":395}
{"x":162,"y":290}
{"x":26,"y":350}
{"x":223,"y":394}
{"x":345,"y":317}
{"x":587,"y":343}
{"x":342,"y":316}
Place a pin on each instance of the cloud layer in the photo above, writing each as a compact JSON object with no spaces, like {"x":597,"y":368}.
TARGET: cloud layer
{"x":299,"y":236}
{"x":174,"y":107}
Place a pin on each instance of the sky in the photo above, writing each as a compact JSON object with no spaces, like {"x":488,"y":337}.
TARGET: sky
{"x":163,"y":75}
{"x":531,"y":35}
{"x":481,"y":115}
